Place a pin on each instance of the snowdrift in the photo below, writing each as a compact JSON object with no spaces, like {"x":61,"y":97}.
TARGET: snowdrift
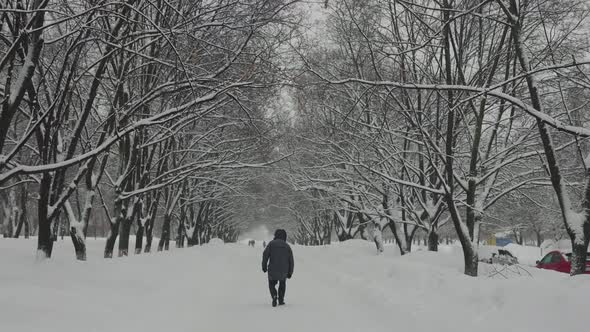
{"x":216,"y":242}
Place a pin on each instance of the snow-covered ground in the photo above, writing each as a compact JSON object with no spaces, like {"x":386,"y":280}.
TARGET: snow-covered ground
{"x":343,"y":287}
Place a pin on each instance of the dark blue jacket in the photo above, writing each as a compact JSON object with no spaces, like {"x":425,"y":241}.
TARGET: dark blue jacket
{"x":277,"y":259}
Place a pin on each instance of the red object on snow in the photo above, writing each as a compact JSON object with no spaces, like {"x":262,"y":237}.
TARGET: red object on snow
{"x":559,"y":261}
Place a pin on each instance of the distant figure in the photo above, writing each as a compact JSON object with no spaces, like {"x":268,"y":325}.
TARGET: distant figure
{"x":252,"y":243}
{"x":263,"y":244}
{"x":277,"y":259}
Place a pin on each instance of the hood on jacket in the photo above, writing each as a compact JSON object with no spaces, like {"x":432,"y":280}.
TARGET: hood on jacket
{"x":281,"y":234}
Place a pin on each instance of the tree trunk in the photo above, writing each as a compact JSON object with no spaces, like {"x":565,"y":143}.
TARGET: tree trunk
{"x":581,"y":240}
{"x":539,"y":238}
{"x":23,"y":212}
{"x":19,"y":227}
{"x":13,"y":218}
{"x":464,"y":232}
{"x":400,"y":240}
{"x":409,"y":236}
{"x":79,"y":244}
{"x":343,"y":236}
{"x":192,"y":240}
{"x":149,"y":235}
{"x":44,"y":238}
{"x":579,"y":257}
{"x":139,"y":238}
{"x":470,"y":255}
{"x":195,"y":236}
{"x":55,"y":229}
{"x":111,"y":238}
{"x":432,"y":241}
{"x":148,"y":241}
{"x":471,"y":261}
{"x":165,"y":237}
{"x":62,"y":229}
{"x":27,"y":228}
{"x":180,"y":235}
{"x":125,"y":230}
{"x":518,"y":236}
{"x":378,"y":239}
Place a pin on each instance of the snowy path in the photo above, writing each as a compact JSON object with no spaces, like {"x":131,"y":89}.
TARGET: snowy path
{"x":221,"y":288}
{"x":237,"y":299}
{"x":230,"y":294}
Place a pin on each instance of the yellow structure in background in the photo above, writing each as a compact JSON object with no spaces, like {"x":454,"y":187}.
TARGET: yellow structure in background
{"x":492,"y":241}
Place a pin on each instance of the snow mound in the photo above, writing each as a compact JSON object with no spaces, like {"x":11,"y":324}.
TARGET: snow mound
{"x":359,"y":246}
{"x":355,"y":243}
{"x":450,"y":262}
{"x":216,"y":241}
{"x":549,"y":245}
{"x":564,"y":244}
{"x":526,"y":255}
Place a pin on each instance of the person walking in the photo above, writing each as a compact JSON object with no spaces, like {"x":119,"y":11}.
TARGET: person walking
{"x":277,"y":260}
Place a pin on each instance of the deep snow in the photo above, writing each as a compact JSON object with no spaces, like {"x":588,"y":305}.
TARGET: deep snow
{"x":343,"y":287}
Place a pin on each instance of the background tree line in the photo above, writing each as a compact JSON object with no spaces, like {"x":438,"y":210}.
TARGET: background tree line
{"x":413,"y":115}
{"x":402,"y":116}
{"x":135,"y":110}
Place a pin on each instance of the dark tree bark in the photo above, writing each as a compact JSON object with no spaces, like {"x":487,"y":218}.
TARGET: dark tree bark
{"x":362,"y":226}
{"x":139,"y":237}
{"x":148,"y":238}
{"x":343,"y":236}
{"x":119,"y":215}
{"x":149,"y":226}
{"x":164,"y":242}
{"x":44,"y":239}
{"x":409,"y":234}
{"x":124,"y":231}
{"x":580,"y":241}
{"x":23,"y":212}
{"x":518,"y":236}
{"x":469,"y":254}
{"x":395,"y":229}
{"x":180,"y":235}
{"x":111,"y":238}
{"x":579,"y":258}
{"x":27,"y":228}
{"x":539,"y":238}
{"x":432,"y":241}
{"x":79,"y":246}
{"x":180,"y":230}
{"x":403,"y":248}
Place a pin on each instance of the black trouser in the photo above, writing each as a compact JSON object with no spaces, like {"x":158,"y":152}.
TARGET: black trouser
{"x":282,"y":288}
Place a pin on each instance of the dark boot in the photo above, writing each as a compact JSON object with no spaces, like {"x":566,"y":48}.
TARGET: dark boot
{"x":274,"y":301}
